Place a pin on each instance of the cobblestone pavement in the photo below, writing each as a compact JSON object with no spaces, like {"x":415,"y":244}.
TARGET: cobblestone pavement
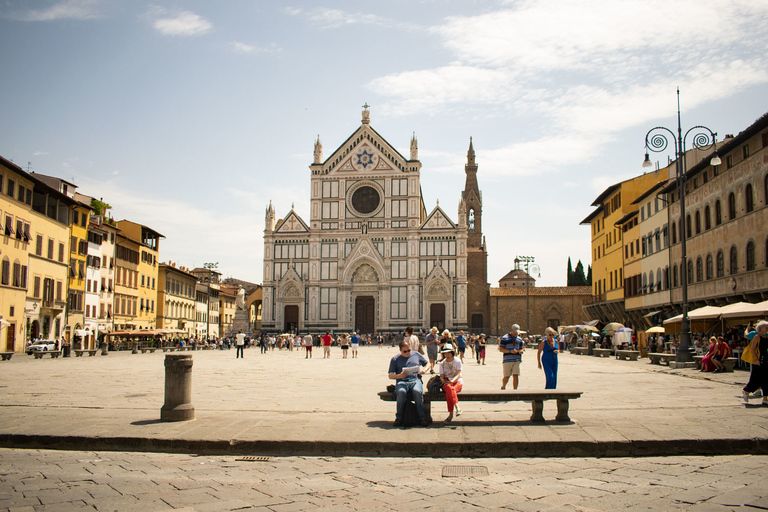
{"x":40,"y":480}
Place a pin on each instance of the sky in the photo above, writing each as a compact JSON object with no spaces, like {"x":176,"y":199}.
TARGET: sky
{"x":191,"y":116}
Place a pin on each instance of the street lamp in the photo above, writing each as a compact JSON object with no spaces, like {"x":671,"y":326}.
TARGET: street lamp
{"x":528,"y":260}
{"x":657,"y":140}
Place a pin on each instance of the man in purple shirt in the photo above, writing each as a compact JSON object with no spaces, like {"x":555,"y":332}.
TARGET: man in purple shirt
{"x":405,"y":368}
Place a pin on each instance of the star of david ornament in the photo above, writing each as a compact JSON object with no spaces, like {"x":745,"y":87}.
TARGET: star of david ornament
{"x":365,"y":159}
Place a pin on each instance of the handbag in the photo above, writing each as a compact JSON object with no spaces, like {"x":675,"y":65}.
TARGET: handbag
{"x":435,"y":385}
{"x":748,"y":354}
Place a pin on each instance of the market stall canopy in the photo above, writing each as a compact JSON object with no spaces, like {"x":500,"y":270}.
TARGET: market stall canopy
{"x":83,"y":332}
{"x":745,"y":310}
{"x":704,"y":313}
{"x":655,"y":329}
{"x":612,"y":327}
{"x":582,"y":329}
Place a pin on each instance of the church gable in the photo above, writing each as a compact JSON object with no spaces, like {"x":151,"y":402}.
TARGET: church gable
{"x":438,"y":220}
{"x":292,"y":224}
{"x":365,"y":151}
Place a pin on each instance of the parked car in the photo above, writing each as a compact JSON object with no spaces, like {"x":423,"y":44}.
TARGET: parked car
{"x":41,"y":346}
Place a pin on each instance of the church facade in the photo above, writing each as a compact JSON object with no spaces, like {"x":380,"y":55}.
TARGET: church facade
{"x":371,"y":258}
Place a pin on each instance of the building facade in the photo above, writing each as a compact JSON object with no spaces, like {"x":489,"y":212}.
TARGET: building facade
{"x":146,"y":242}
{"x":370,"y":258}
{"x":208,"y":288}
{"x":176,"y":299}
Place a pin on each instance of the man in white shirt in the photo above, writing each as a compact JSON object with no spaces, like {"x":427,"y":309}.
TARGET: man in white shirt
{"x":308,"y":345}
{"x":240,"y":345}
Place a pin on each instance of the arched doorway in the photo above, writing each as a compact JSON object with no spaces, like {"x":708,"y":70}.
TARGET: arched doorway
{"x":437,"y":316}
{"x":291,"y":318}
{"x":365,"y":314}
{"x":34,"y":330}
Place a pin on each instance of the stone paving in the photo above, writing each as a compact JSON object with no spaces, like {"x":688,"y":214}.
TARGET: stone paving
{"x":282,"y":403}
{"x":42,"y":480}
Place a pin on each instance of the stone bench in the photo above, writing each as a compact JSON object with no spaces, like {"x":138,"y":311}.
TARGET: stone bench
{"x":148,"y":349}
{"x":169,"y":349}
{"x":536,"y":398}
{"x":658,"y":357}
{"x":53,"y":353}
{"x":79,"y":353}
{"x":630,"y":355}
{"x":6,"y":355}
{"x":580,"y":351}
{"x":728,"y":363}
{"x":601,"y":352}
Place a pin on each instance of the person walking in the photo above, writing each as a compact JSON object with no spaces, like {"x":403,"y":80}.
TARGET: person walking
{"x":327,"y":344}
{"x":413,"y":340}
{"x":431,"y":342}
{"x":481,"y":344}
{"x":240,"y":337}
{"x":548,"y":361}
{"x":461,"y":345}
{"x":756,"y":354}
{"x":512,"y":347}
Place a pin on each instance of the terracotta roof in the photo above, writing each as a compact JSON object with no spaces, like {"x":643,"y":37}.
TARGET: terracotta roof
{"x":541,"y":290}
{"x":517,"y":273}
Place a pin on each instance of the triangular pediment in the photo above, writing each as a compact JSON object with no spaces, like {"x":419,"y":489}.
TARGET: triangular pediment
{"x":292,"y":224}
{"x":364,"y":152}
{"x":437,"y":219}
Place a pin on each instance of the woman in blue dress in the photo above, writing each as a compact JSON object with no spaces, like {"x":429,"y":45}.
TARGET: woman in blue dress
{"x":549,"y":361}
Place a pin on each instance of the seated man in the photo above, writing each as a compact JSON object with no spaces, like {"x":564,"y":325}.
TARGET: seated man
{"x":408,"y":381}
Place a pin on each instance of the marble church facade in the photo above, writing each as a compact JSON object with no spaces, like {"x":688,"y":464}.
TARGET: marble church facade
{"x":370,"y":257}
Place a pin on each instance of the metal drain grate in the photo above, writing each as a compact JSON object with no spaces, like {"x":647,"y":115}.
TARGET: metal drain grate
{"x":464,"y":471}
{"x":254,"y":459}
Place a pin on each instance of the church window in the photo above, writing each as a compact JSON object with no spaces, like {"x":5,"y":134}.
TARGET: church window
{"x":328,"y":303}
{"x":400,"y":186}
{"x":348,"y":246}
{"x":399,"y":208}
{"x":425,"y":267}
{"x":399,"y":249}
{"x":437,"y":248}
{"x":329,"y":250}
{"x":471,"y":219}
{"x":280,"y":269}
{"x":330,"y":210}
{"x":329,"y":270}
{"x":291,"y":251}
{"x":398,"y":305}
{"x":449,"y":266}
{"x":399,"y":269}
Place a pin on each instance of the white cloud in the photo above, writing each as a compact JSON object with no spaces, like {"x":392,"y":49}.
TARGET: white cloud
{"x":182,"y":23}
{"x":70,"y":9}
{"x":583,"y":70}
{"x":247,"y":49}
{"x":40,"y":153}
{"x":334,"y":18}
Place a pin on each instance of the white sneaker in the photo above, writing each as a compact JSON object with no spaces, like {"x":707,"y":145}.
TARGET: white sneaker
{"x":745,"y":395}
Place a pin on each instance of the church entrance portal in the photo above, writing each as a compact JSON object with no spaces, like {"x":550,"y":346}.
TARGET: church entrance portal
{"x":291,"y":318}
{"x":437,"y":316}
{"x":477,"y":323}
{"x":365,"y":308}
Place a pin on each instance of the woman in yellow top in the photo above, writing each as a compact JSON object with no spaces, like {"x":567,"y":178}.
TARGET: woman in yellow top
{"x":757,"y":354}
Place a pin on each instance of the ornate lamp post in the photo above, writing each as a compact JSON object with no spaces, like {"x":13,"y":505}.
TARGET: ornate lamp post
{"x":528,"y":260}
{"x":657,"y":140}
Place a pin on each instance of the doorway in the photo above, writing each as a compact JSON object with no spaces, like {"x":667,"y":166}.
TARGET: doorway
{"x":477,"y":323}
{"x":437,"y":316}
{"x":10,"y":340}
{"x":291,"y":318}
{"x":365,"y":313}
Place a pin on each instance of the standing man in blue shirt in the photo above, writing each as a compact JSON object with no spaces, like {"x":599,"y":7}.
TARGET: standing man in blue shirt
{"x":461,"y":343}
{"x":409,"y":380}
{"x":511,"y":345}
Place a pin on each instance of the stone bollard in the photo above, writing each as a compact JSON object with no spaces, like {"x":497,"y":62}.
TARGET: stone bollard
{"x":104,"y":348}
{"x":178,"y":388}
{"x":135,"y":349}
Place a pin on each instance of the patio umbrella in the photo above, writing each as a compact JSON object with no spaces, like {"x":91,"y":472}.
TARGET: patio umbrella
{"x":612,"y":327}
{"x":582,"y":329}
{"x":624,"y":329}
{"x":655,"y":330}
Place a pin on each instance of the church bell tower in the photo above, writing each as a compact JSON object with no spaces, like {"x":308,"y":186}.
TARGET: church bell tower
{"x":479,"y":290}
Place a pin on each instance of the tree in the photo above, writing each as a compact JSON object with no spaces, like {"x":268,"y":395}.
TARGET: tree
{"x":100,"y":207}
{"x":578,"y":275}
{"x":589,"y":275}
{"x":569,"y":279}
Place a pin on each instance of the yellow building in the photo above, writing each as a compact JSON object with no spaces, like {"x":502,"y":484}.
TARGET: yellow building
{"x":176,"y":304}
{"x":126,"y":283}
{"x":15,"y":243}
{"x":608,"y":244}
{"x":78,"y":254}
{"x":227,"y":309}
{"x":146,"y":269}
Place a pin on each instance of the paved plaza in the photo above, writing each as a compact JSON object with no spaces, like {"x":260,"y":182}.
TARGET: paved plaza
{"x":280,"y":403}
{"x":280,"y":432}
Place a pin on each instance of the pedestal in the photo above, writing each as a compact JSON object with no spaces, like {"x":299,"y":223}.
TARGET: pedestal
{"x":178,"y":388}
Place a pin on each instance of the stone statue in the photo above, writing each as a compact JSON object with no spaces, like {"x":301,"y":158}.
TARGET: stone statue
{"x":240,"y":301}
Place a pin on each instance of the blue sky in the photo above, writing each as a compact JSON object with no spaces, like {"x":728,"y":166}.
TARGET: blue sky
{"x":190,"y":116}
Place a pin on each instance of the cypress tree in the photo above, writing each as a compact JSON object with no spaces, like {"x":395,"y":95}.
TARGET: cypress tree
{"x":569,"y":279}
